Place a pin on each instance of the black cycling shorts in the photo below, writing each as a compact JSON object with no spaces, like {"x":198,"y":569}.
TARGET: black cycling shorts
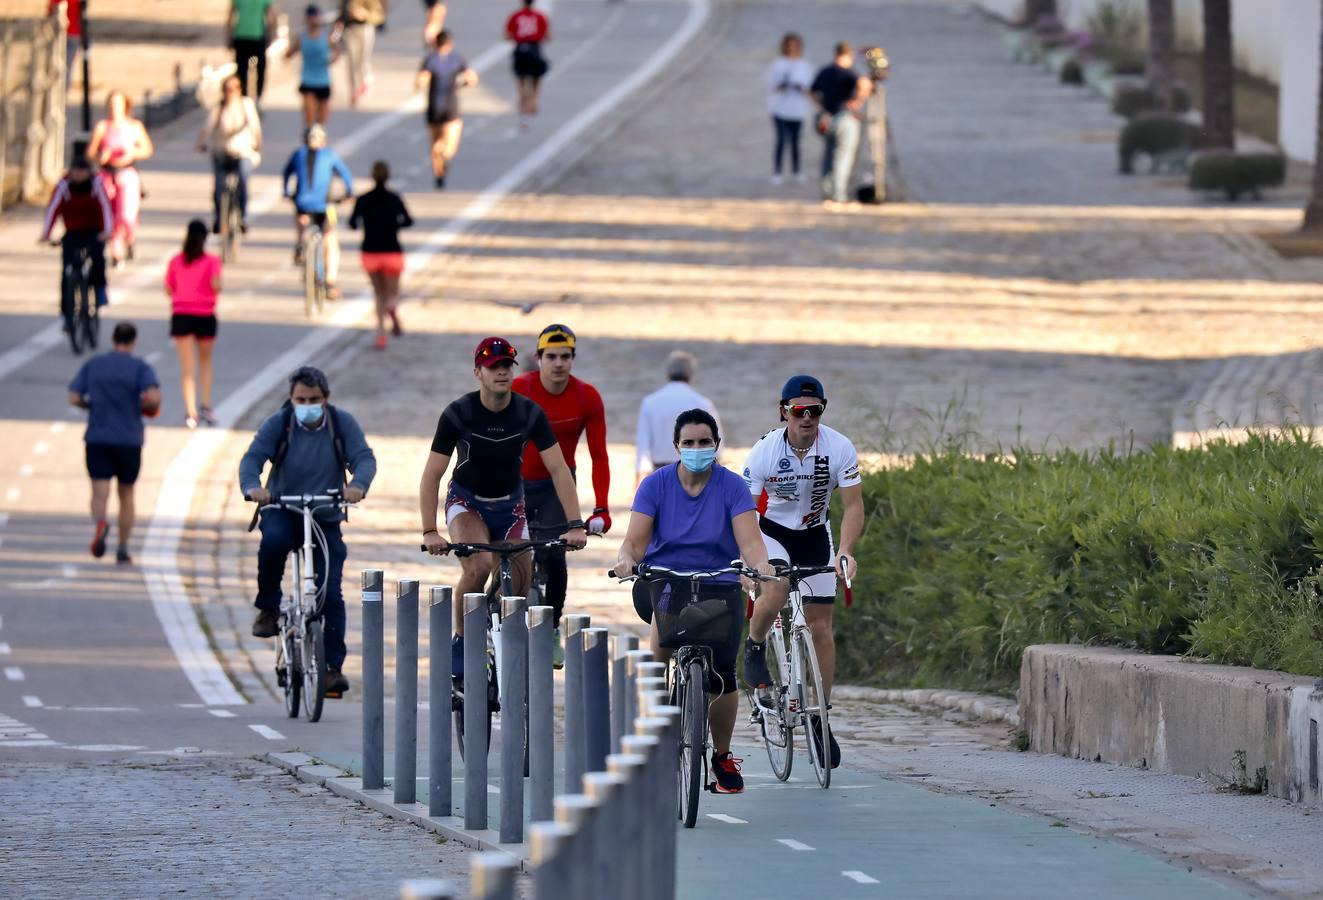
{"x":107,"y":461}
{"x":803,"y":547}
{"x":724,"y":656}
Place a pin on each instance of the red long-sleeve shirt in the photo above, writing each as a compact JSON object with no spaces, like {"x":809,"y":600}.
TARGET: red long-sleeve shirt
{"x":573,"y":411}
{"x":80,"y":212}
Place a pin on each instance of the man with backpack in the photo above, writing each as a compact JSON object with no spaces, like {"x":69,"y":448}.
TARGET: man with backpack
{"x":310,"y":444}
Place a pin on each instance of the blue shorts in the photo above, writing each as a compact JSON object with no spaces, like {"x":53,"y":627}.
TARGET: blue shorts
{"x":503,"y":516}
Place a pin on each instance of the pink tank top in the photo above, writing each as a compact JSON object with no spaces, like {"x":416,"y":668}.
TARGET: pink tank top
{"x":118,"y":142}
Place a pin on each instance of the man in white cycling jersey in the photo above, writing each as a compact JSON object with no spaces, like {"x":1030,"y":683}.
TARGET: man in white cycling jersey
{"x":796,"y":468}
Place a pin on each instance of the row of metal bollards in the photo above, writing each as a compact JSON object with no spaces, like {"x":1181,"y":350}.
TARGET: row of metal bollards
{"x":611,"y":832}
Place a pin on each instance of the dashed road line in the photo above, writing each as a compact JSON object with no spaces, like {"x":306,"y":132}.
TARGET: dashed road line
{"x":32,"y":702}
{"x":14,"y":673}
{"x":13,"y":494}
{"x":4,"y":649}
{"x":106,"y":748}
{"x":268,"y":732}
{"x":793,"y":844}
{"x":58,"y":427}
{"x":41,"y":448}
{"x":860,"y":877}
{"x":221,"y":713}
{"x":729,"y":820}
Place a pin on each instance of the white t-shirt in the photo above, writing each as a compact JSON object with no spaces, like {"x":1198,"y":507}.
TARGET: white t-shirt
{"x":799,"y":491}
{"x":657,"y":415}
{"x":788,"y":82}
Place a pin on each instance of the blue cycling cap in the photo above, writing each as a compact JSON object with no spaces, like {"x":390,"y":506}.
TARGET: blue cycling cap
{"x":802,"y":386}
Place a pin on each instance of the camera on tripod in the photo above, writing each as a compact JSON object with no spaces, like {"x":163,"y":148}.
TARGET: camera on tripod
{"x":879,"y":67}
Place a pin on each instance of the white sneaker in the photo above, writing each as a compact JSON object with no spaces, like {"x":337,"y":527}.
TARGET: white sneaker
{"x":776,"y":179}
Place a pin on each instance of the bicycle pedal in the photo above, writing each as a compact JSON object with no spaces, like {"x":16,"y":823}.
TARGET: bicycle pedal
{"x":334,"y":695}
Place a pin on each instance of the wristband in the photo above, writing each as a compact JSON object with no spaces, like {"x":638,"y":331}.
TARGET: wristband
{"x":431,"y":531}
{"x":576,"y":525}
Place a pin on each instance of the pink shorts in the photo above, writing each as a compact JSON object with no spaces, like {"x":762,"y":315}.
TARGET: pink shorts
{"x":389,"y":264}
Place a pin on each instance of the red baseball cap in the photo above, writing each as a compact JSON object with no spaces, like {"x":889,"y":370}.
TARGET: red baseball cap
{"x":493,"y":350}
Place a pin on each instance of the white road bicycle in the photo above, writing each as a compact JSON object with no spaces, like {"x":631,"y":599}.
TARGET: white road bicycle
{"x":301,"y":643}
{"x":797,"y":697}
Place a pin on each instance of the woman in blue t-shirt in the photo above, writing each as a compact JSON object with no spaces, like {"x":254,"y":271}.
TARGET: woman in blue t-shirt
{"x":319,"y":48}
{"x":691,"y":516}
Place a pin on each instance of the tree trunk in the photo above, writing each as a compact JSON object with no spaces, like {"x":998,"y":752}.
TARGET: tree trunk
{"x":1161,"y":46}
{"x":1219,"y":77}
{"x":1036,"y":9}
{"x":1314,"y":211}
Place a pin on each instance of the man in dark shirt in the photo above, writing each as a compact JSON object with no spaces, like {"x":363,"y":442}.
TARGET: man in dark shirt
{"x":839,"y":92}
{"x":489,"y":429}
{"x":117,"y":389}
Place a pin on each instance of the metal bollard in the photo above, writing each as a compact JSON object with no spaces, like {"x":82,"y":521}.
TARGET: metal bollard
{"x":374,"y":681}
{"x":549,"y":850}
{"x":406,"y":691}
{"x":596,"y":698}
{"x":426,"y":889}
{"x":632,"y":769}
{"x":647,"y":813}
{"x":621,"y":644}
{"x":665,"y":725}
{"x":439,"y":783}
{"x":608,"y":789}
{"x":475,"y":711}
{"x":492,"y":875}
{"x":575,"y":730}
{"x":541,"y":716}
{"x":514,"y":693}
{"x":633,"y":659}
{"x":578,"y":812}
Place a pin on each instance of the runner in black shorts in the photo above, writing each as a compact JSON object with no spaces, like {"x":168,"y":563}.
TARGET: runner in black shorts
{"x":485,"y":500}
{"x":529,"y":30}
{"x":442,"y":74}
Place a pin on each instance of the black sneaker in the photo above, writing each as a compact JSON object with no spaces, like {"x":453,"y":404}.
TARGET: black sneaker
{"x":440,"y":182}
{"x":756,"y":674}
{"x":123,"y":558}
{"x":267,"y":623}
{"x":815,"y":723}
{"x":336,"y":683}
{"x":726,"y":768}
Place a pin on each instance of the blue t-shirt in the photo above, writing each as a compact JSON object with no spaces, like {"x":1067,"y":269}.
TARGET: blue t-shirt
{"x":316,"y":61}
{"x":692,"y":533}
{"x":113,"y":383}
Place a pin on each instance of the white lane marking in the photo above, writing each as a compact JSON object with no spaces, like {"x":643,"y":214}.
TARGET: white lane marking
{"x":268,"y":732}
{"x":860,"y":877}
{"x":793,"y":844}
{"x":26,"y":470}
{"x":729,"y":820}
{"x":588,"y":45}
{"x":41,"y":448}
{"x":13,"y":494}
{"x":14,"y":733}
{"x":4,"y":649}
{"x":14,"y":673}
{"x":97,"y":709}
{"x":221,"y":713}
{"x":31,"y":702}
{"x":58,"y":427}
{"x":30,"y":349}
{"x":68,"y":570}
{"x":30,"y":743}
{"x":164,"y":583}
{"x":106,"y":748}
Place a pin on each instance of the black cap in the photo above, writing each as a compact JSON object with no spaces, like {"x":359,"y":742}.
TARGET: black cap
{"x":802,"y":386}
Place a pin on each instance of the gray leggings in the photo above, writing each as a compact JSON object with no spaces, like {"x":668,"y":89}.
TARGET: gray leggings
{"x":359,"y":39}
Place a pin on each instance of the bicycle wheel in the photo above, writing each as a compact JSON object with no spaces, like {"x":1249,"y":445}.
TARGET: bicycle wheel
{"x":287,"y":651}
{"x":458,"y":700}
{"x":312,"y":249}
{"x":320,"y":256}
{"x":87,"y":313}
{"x":813,"y":703}
{"x":69,"y":309}
{"x":229,"y":222}
{"x":314,"y":670}
{"x":692,"y":739}
{"x":778,"y":732}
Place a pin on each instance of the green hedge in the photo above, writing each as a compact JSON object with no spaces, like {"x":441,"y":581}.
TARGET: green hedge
{"x":967,"y":560}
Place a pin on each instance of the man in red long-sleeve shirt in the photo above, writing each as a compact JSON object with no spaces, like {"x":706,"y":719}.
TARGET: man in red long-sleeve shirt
{"x":81,"y":203}
{"x":574,"y":408}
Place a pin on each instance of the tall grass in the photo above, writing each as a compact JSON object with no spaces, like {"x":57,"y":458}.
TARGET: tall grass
{"x":967,"y":559}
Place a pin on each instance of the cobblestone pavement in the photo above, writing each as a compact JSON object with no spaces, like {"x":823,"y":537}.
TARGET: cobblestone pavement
{"x":202,"y":827}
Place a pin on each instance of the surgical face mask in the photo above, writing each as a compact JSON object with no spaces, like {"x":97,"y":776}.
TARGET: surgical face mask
{"x":308,"y":414}
{"x":698,"y":460}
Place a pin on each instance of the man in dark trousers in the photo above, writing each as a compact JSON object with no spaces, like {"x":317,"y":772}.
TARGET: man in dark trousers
{"x":117,"y":389}
{"x":310,"y":444}
{"x":840,"y":93}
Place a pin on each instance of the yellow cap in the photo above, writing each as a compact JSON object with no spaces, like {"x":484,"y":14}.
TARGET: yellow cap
{"x":559,"y":335}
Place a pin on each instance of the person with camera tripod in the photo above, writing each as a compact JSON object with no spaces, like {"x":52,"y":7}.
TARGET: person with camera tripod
{"x":840,"y":93}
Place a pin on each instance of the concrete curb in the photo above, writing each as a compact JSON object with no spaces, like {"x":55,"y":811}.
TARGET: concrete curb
{"x":1246,"y":730}
{"x":984,"y":707}
{"x":306,"y":768}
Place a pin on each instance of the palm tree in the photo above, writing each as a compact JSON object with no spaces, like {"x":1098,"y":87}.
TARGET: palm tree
{"x":1161,"y":44}
{"x":1314,"y":211}
{"x":1219,"y":77}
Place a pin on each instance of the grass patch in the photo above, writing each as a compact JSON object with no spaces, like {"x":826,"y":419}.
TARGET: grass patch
{"x":969,"y":558}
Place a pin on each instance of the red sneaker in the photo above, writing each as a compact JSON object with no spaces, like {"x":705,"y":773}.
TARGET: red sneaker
{"x":726,"y":768}
{"x":98,"y":547}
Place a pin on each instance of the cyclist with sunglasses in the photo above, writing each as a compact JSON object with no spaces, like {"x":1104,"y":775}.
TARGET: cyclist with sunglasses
{"x":792,"y":471}
{"x":489,"y":429}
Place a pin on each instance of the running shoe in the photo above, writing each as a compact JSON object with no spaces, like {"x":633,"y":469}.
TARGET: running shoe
{"x":380,"y":342}
{"x":395,"y":328}
{"x":440,"y":182}
{"x":726,"y":768}
{"x":557,"y":651}
{"x":99,"y":539}
{"x":756,"y":674}
{"x":207,"y":416}
{"x":815,"y":723}
{"x":123,"y":558}
{"x":191,"y":422}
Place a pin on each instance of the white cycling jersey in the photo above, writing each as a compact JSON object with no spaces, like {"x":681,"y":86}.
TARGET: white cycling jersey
{"x":799,"y":491}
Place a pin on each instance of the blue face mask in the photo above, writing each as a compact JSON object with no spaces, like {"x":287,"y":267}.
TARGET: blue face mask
{"x":698,"y":460}
{"x":308,"y":414}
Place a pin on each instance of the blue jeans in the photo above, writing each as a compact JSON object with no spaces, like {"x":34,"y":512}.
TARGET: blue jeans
{"x":787,"y":138}
{"x":220,"y":165}
{"x":282,"y":534}
{"x":841,"y":144}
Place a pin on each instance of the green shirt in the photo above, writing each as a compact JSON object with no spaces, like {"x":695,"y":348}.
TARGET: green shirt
{"x":250,"y":19}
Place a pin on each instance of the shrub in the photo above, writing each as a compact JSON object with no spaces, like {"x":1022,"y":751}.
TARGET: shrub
{"x":1133,"y":99}
{"x":966,"y":560}
{"x":1166,"y":140}
{"x":1236,"y":173}
{"x":1072,"y":72}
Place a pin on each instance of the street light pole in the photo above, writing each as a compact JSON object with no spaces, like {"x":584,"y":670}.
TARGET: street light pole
{"x":87,"y":68}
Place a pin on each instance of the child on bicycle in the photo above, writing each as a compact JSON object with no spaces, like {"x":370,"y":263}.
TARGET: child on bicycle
{"x":698,"y":515}
{"x":80,"y":202}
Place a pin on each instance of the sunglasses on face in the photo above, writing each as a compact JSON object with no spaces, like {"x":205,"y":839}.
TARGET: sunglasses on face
{"x":804,"y":410}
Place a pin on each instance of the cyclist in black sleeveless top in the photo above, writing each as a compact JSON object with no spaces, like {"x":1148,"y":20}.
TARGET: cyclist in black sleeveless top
{"x":489,"y":429}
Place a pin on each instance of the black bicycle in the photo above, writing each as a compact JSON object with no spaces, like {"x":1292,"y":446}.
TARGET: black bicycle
{"x":231,"y":216}
{"x":78,"y":300}
{"x":691,"y":626}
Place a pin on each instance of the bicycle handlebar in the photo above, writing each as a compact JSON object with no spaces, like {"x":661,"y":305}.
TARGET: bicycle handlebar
{"x":646,"y":571}
{"x":300,"y":502}
{"x":468,"y":549}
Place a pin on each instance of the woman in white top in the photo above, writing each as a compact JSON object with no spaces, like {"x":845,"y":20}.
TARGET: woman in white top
{"x":234,"y":134}
{"x":788,"y":82}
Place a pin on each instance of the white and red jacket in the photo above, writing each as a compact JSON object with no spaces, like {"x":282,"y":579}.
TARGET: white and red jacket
{"x":80,"y":212}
